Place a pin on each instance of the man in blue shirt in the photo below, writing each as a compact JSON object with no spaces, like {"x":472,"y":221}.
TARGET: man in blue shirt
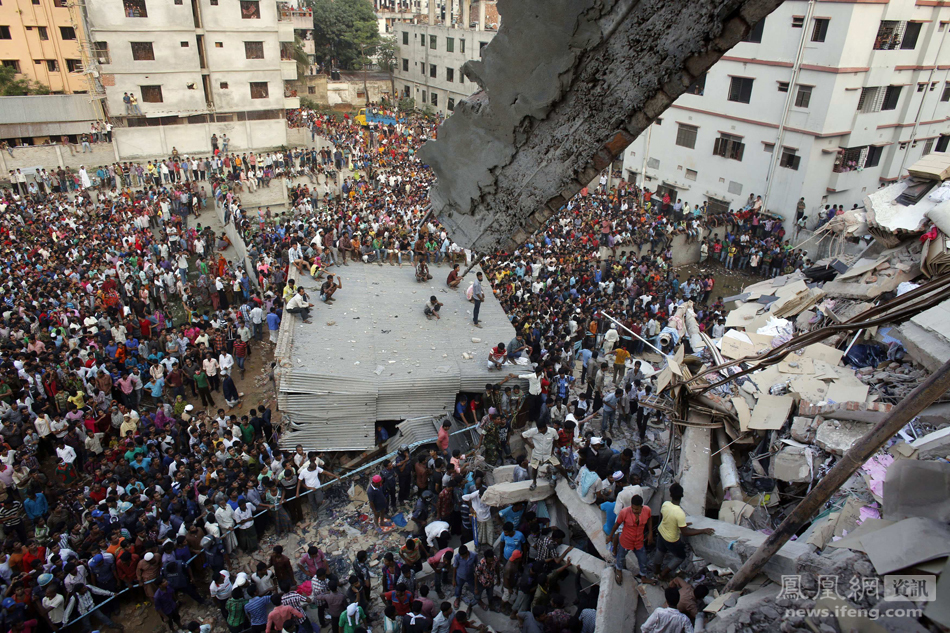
{"x":511,"y":538}
{"x":464,"y":565}
{"x":273,"y":324}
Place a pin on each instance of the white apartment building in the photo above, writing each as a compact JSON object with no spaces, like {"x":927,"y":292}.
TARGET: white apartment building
{"x":430,"y":63}
{"x":826,"y":100}
{"x":197,"y":68}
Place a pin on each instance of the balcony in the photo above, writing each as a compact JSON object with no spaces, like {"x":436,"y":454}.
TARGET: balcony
{"x":845,"y":180}
{"x":298,"y":18}
{"x":288,"y":70}
{"x":291,"y":103}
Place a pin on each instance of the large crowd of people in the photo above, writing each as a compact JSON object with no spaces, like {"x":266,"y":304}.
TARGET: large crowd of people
{"x":125,"y":329}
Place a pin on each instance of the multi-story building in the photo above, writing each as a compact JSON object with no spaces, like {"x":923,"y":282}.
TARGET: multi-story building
{"x":197,"y":68}
{"x":825,"y":100}
{"x":429,"y":69}
{"x":41,"y":40}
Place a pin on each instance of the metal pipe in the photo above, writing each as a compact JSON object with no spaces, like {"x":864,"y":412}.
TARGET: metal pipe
{"x":660,"y":352}
{"x":862,"y":450}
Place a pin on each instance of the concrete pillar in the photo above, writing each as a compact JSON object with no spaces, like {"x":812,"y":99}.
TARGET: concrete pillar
{"x":59,"y":154}
{"x":466,"y":13}
{"x":695,"y":457}
{"x":481,"y":15}
{"x":616,"y":604}
{"x":589,"y":517}
{"x":431,"y":12}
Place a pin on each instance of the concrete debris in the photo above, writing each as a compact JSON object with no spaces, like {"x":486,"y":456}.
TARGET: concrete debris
{"x":837,"y":436}
{"x":587,"y":516}
{"x":504,"y":494}
{"x":615,"y":602}
{"x":792,"y":464}
{"x":936,"y":444}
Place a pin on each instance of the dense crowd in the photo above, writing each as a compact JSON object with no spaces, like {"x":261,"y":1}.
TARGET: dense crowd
{"x":125,"y":327}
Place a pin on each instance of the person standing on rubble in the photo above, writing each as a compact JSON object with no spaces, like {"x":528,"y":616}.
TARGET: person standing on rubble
{"x":541,"y":442}
{"x":673,"y":527}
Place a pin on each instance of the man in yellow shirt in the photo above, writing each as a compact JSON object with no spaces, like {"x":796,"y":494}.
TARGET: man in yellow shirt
{"x":673,"y":527}
{"x":620,"y":359}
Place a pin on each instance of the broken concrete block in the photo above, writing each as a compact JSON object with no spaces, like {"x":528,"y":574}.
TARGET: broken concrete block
{"x":694,"y":468}
{"x":591,"y":567}
{"x":803,"y":429}
{"x":501,"y":495}
{"x":732,"y":545}
{"x":653,"y":597}
{"x":616,"y":603}
{"x":836,"y":436}
{"x":936,"y":444}
{"x":589,"y":517}
{"x":504,"y":474}
{"x":792,"y":465}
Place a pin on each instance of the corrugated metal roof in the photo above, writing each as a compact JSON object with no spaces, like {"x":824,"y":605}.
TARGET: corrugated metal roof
{"x":373,"y":354}
{"x":46,"y":109}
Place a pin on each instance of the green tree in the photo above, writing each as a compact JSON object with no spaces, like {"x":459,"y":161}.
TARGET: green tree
{"x":342,"y":29}
{"x":387,"y":57}
{"x":10,"y":86}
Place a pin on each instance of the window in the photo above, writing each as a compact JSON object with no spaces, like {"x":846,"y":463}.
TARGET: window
{"x":44,"y":33}
{"x":729,"y":146}
{"x":5,"y":33}
{"x":921,"y":87}
{"x":259,"y":90}
{"x":12,"y":63}
{"x":151,"y":94}
{"x":803,"y":98}
{"x":698,"y":87}
{"x":219,"y":44}
{"x":311,"y":90}
{"x":450,"y":74}
{"x":223,"y":85}
{"x":254,"y":50}
{"x":66,"y":33}
{"x":653,"y":163}
{"x":250,"y":10}
{"x":214,"y":3}
{"x":946,"y":92}
{"x":422,"y":69}
{"x":850,"y":159}
{"x":433,"y":70}
{"x":60,"y":4}
{"x":820,"y":30}
{"x":714,"y":206}
{"x":450,"y":45}
{"x":911,"y":33}
{"x":942,"y":142}
{"x":686,"y":135}
{"x":433,"y":41}
{"x":435,"y":99}
{"x":755,"y":35}
{"x":888,"y":35}
{"x":462,"y":44}
{"x":178,"y":1}
{"x":74,"y":65}
{"x":142,"y":51}
{"x":768,"y":147}
{"x":735,"y":188}
{"x":870,"y":100}
{"x":451,"y":105}
{"x":873,"y":158}
{"x":928,"y":146}
{"x":891,"y":96}
{"x":481,"y":48}
{"x":461,"y":76}
{"x":102,"y":52}
{"x":135,"y":8}
{"x":783,"y":86}
{"x":405,"y":38}
{"x":691,"y":174}
{"x":789,"y":159}
{"x":424,"y":97}
{"x":405,"y":65}
{"x":52,"y":65}
{"x":798,"y":21}
{"x":740,"y":89}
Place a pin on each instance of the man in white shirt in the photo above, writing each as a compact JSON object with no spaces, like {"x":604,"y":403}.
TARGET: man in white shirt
{"x":65,"y":452}
{"x":541,"y":442}
{"x":668,"y":619}
{"x":309,"y":480}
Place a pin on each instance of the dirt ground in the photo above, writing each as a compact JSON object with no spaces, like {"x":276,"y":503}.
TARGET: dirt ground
{"x":728,"y":282}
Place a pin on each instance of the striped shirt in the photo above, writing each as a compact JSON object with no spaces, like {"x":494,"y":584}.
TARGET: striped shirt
{"x":257,"y":609}
{"x":11,"y":515}
{"x":295,"y":600}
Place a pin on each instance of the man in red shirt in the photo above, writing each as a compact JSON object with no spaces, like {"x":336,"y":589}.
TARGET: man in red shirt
{"x":635,"y":518}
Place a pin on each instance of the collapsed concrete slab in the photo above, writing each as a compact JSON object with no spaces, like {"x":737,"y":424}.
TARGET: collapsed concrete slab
{"x":501,"y":495}
{"x":695,"y":459}
{"x":616,"y":603}
{"x":653,"y":597}
{"x":732,"y":545}
{"x":503,"y":474}
{"x":589,"y":517}
{"x":515,"y":152}
{"x":792,"y":464}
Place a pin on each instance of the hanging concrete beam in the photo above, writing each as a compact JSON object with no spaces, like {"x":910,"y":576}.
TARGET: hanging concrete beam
{"x":566,"y":86}
{"x":694,"y":465}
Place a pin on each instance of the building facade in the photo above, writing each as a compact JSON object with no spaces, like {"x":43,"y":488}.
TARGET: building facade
{"x":42,"y":40}
{"x":196,"y":68}
{"x":429,"y":69}
{"x":826,"y":100}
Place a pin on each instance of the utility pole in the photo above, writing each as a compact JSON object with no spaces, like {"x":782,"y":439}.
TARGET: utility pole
{"x":364,"y":62}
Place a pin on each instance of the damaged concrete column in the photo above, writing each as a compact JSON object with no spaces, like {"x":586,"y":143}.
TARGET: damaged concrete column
{"x":589,"y":517}
{"x":482,"y":14}
{"x":728,"y":473}
{"x":466,"y":14}
{"x":616,"y":604}
{"x":695,"y":460}
{"x":431,"y":4}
